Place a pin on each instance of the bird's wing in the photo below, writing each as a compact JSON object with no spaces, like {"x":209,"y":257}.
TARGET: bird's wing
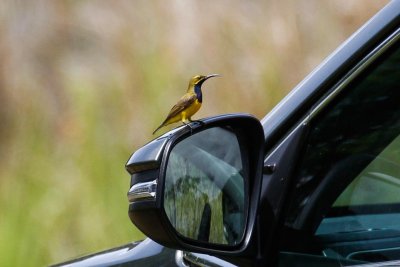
{"x":183,"y":103}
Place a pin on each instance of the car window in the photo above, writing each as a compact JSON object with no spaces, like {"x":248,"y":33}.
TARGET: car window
{"x":381,"y":175}
{"x":372,"y":200}
{"x":345,"y":204}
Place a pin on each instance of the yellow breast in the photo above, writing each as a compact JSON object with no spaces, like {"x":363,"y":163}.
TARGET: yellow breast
{"x":190,"y":111}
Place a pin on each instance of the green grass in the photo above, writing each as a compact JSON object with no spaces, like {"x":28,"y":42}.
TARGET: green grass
{"x":83,"y":84}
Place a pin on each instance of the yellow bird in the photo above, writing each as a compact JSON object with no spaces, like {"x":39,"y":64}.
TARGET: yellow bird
{"x":189,"y":103}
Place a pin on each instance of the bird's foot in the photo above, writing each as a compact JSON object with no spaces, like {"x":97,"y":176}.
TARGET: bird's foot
{"x":192,"y":123}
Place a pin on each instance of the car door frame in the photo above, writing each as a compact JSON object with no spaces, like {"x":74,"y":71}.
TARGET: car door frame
{"x":312,"y":94}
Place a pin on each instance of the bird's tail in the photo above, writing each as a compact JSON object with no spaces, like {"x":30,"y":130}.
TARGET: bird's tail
{"x":158,"y":128}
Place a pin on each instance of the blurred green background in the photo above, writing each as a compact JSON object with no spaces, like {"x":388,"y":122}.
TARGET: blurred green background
{"x":84,"y":83}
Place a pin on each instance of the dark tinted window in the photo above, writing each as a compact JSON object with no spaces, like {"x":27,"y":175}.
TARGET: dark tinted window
{"x":349,"y":134}
{"x":345,"y":204}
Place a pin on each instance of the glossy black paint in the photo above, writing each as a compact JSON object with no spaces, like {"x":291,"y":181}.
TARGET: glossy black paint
{"x":275,"y":189}
{"x":140,"y":254}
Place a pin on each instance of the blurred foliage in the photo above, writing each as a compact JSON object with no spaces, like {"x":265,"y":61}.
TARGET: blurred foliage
{"x":84,"y":83}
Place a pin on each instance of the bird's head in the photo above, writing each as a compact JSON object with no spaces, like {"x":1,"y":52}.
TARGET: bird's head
{"x":198,"y":80}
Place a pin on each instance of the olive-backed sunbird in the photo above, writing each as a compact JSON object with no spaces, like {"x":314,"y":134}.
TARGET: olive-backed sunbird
{"x":189,"y":103}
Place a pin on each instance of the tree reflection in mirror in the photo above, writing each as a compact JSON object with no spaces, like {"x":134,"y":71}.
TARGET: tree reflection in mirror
{"x":205,"y":193}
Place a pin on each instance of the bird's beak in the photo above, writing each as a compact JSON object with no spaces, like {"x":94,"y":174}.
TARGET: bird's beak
{"x":211,"y":75}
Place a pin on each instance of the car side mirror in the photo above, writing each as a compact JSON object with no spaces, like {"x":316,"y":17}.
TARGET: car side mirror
{"x":197,"y":187}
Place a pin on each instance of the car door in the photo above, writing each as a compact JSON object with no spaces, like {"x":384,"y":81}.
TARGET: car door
{"x":343,"y":206}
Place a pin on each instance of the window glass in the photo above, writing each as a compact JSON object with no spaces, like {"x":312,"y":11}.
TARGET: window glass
{"x":346,"y":200}
{"x":371,"y":200}
{"x":350,"y":133}
{"x":382,"y":175}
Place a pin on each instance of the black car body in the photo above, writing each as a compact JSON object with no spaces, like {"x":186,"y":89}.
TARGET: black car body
{"x":321,"y":188}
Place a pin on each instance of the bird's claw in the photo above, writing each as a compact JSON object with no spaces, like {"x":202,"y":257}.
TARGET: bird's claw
{"x":193,"y":123}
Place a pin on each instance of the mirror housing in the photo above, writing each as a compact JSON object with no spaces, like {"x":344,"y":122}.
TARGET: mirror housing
{"x":150,"y":176}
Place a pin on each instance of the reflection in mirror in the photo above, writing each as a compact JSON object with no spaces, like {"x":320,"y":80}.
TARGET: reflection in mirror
{"x":205,"y":196}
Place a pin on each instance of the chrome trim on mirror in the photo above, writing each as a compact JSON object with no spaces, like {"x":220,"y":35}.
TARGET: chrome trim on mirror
{"x":143,"y":191}
{"x":203,"y":260}
{"x":179,"y":259}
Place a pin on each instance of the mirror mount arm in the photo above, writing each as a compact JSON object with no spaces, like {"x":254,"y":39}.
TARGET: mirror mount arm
{"x":279,"y":167}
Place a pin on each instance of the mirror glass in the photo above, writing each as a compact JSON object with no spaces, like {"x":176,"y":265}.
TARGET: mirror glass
{"x":205,"y":194}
